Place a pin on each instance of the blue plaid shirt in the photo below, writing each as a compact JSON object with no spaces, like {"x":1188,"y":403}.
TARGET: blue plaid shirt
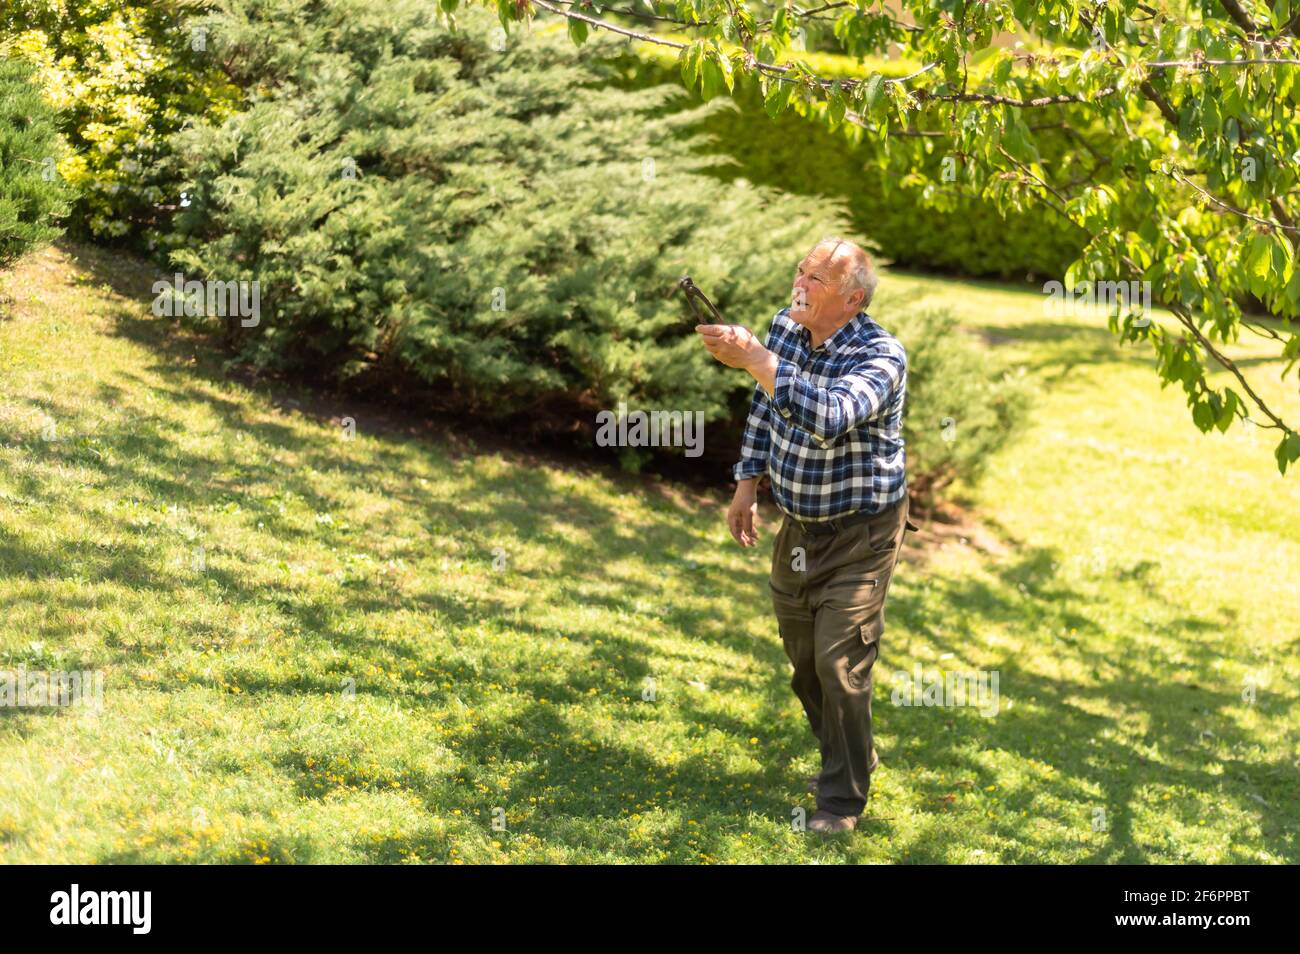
{"x":831,"y":436}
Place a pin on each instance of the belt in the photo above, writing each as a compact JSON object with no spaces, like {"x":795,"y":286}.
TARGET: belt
{"x":839,"y":523}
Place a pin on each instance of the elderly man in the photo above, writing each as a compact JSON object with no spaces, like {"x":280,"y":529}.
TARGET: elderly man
{"x":825,"y":424}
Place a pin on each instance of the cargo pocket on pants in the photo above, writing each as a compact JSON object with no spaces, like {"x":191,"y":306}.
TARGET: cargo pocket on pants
{"x":860,"y":674}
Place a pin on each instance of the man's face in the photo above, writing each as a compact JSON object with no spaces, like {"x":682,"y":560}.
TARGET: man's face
{"x":816,"y":289}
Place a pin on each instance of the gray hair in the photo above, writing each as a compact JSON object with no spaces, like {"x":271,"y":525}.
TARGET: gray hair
{"x":858,"y":276}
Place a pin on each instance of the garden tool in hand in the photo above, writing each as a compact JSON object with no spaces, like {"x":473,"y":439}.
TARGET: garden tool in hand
{"x":695,"y":298}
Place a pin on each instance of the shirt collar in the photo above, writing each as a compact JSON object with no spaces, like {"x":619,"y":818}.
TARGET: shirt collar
{"x":843,"y":335}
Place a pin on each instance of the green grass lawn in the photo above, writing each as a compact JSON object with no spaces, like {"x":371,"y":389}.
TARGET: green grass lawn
{"x":320,"y":649}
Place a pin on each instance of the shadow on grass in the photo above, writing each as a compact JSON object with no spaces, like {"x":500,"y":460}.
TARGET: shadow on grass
{"x":1073,"y":723}
{"x":1073,"y":346}
{"x":572,"y":779}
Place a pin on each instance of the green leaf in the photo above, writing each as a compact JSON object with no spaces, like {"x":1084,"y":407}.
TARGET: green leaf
{"x":1137,"y":249}
{"x":871,"y":96}
{"x":1017,"y":140}
{"x":712,"y":73}
{"x":778,"y":97}
{"x":1226,"y":413}
{"x":1281,"y":256}
{"x":690,"y":60}
{"x":724,"y":62}
{"x":1096,"y":206}
{"x":1203,"y":415}
{"x":1232,"y":130}
{"x":1189,"y":282}
{"x":1259,"y":263}
{"x":1074,"y":274}
{"x":1002,"y":70}
{"x":1288,"y":450}
{"x":577,"y":29}
{"x":1279,"y":13}
{"x":1210,"y":119}
{"x":835,"y":106}
{"x":950,"y":56}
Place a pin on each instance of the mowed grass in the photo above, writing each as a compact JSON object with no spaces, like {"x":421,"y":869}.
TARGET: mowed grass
{"x":397,"y":648}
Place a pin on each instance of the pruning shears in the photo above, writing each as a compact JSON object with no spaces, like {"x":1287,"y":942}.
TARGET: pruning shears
{"x":695,"y":298}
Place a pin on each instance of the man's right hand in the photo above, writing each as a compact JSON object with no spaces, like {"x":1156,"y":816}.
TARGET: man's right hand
{"x":742,"y":515}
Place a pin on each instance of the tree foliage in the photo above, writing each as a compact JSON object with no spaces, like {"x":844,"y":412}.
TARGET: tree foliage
{"x":918,"y":220}
{"x":124,"y":76}
{"x":479,"y":215}
{"x":31,"y":195}
{"x":1181,"y":117}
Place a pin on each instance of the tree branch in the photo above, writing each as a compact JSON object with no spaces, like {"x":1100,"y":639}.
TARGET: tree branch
{"x":1178,"y":310}
{"x":992,"y":99}
{"x":1228,"y":207}
{"x":1278,"y":61}
{"x":1227,"y":363}
{"x":645,"y":16}
{"x":1240,"y":16}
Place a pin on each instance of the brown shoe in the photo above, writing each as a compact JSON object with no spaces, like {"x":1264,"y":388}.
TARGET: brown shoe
{"x":875,"y":761}
{"x":827,"y":824}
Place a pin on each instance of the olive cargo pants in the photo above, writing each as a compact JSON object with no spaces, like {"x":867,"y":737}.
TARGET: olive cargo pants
{"x":828,"y":590}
